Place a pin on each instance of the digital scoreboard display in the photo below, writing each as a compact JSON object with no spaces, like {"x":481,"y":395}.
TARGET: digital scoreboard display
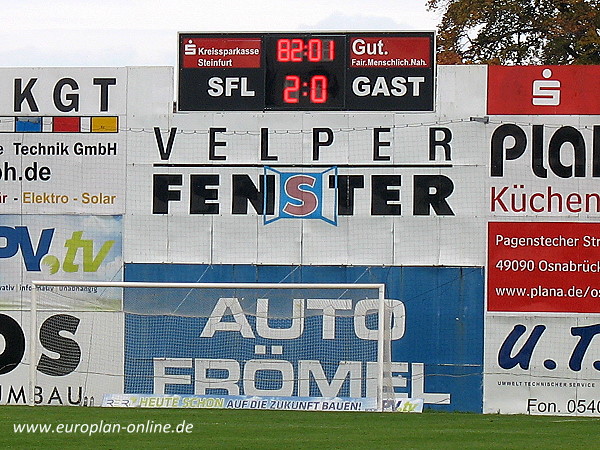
{"x":371,"y":71}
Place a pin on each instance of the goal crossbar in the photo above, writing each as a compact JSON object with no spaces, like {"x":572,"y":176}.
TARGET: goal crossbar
{"x":232,"y":285}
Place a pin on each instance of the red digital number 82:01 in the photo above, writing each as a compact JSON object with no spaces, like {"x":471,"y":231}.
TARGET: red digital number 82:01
{"x":315,"y":89}
{"x":315,"y":50}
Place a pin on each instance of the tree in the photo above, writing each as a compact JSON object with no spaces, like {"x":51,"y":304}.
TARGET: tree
{"x":518,"y":31}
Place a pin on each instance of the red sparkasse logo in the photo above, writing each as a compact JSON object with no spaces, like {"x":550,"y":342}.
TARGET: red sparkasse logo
{"x":543,"y":90}
{"x":233,"y":53}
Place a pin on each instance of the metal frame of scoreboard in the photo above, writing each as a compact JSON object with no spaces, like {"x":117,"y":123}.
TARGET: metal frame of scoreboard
{"x":328,"y":71}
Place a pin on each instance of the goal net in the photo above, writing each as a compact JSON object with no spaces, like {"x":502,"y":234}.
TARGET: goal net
{"x":234,"y":340}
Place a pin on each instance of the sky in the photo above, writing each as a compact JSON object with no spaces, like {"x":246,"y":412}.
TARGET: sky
{"x":116,"y":33}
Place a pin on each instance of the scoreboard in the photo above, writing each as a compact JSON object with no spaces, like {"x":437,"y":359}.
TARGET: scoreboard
{"x":358,"y":71}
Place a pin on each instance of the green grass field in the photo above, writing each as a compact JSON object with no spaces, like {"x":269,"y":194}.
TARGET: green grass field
{"x":285,"y":429}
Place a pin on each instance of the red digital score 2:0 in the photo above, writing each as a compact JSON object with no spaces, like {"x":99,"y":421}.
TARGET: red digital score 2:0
{"x":317,"y":89}
{"x":315,"y":50}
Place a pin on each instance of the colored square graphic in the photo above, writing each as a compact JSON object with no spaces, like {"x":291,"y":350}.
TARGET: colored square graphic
{"x":66,"y":124}
{"x":7,"y":124}
{"x":28,"y":125}
{"x":104,"y":125}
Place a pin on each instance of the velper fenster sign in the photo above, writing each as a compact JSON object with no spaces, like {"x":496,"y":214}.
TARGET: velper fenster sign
{"x":398,"y":193}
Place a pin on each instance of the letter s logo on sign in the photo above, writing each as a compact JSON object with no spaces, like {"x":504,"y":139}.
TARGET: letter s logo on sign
{"x":303,"y":195}
{"x":301,"y":200}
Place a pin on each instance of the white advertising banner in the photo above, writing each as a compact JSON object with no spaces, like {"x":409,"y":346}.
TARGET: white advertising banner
{"x":242,"y":402}
{"x":79,"y":357}
{"x":63,"y":133}
{"x":59,"y":247}
{"x":313,"y":188}
{"x":542,"y":364}
{"x":546,"y":168}
{"x":63,"y":137}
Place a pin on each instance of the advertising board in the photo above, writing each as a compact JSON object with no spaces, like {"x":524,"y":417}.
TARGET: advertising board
{"x":543,"y":90}
{"x":45,"y":247}
{"x":61,"y":135}
{"x":436,"y":337}
{"x":79,"y":357}
{"x":542,"y":312}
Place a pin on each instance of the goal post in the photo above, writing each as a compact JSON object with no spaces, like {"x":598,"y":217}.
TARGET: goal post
{"x":291,"y":339}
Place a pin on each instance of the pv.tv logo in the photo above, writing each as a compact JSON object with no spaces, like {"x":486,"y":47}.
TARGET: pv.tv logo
{"x":19,"y":239}
{"x":303,"y":195}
